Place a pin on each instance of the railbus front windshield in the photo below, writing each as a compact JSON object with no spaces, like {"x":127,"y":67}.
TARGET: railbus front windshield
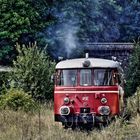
{"x":67,"y":78}
{"x":86,"y":77}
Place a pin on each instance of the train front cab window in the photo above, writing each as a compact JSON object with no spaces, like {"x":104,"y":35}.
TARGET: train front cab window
{"x":85,"y":77}
{"x":103,"y":77}
{"x":88,"y":77}
{"x":97,"y":77}
{"x":67,"y":77}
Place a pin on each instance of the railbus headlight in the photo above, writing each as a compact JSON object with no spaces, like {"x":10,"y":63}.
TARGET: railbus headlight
{"x":66,"y":100}
{"x":104,"y":110}
{"x":103,"y":100}
{"x":64,"y":110}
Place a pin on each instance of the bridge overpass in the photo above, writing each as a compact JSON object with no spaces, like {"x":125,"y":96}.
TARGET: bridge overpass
{"x":119,"y":51}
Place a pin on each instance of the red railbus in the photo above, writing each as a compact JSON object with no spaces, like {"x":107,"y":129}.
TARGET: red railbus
{"x":87,"y":91}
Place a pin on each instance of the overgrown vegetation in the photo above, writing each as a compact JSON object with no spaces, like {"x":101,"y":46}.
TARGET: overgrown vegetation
{"x":32,"y":72}
{"x":133,"y":104}
{"x":133,"y":74}
{"x":17,"y":99}
{"x":21,"y":125}
{"x":28,"y":82}
{"x":4,"y":81}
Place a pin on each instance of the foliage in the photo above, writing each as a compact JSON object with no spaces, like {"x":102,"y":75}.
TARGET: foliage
{"x":133,"y":104}
{"x":19,"y":17}
{"x":4,"y":79}
{"x":129,"y":20}
{"x":17,"y":99}
{"x":32,"y":72}
{"x":46,"y":21}
{"x":17,"y":125}
{"x":6,"y":53}
{"x":133,"y":74}
{"x":20,"y":21}
{"x":93,"y":21}
{"x":82,"y":21}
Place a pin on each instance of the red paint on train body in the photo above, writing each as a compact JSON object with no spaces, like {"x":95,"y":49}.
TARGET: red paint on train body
{"x":87,"y":94}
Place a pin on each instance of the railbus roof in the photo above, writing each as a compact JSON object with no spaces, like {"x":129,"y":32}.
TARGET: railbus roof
{"x":94,"y":63}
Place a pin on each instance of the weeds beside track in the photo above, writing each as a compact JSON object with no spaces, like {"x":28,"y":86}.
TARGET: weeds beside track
{"x":18,"y":125}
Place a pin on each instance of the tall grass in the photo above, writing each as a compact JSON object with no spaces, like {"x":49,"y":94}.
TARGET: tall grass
{"x":18,"y":125}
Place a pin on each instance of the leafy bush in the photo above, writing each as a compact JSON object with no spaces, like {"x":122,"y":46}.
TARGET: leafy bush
{"x":133,"y":74}
{"x":17,"y":99}
{"x":4,"y":79}
{"x":133,"y":103}
{"x":32,"y":72}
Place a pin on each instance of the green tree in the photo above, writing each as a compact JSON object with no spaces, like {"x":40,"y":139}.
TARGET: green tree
{"x":20,"y":20}
{"x":96,"y":20}
{"x":133,"y":74}
{"x":19,"y":17}
{"x":32,"y":72}
{"x":129,"y":20}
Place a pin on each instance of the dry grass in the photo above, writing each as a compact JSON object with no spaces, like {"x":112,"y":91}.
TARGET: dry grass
{"x":22,"y":126}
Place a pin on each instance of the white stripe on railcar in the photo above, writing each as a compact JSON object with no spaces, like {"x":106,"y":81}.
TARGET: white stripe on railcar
{"x":70,"y":92}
